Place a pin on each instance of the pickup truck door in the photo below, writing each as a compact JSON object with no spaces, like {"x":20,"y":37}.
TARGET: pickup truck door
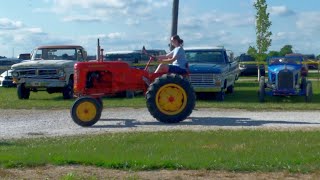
{"x":232,"y":69}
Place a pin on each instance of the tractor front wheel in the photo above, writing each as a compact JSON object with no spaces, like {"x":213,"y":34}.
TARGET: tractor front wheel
{"x":86,"y":111}
{"x":170,"y":98}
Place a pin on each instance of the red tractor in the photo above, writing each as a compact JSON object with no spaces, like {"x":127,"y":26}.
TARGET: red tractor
{"x":169,"y":97}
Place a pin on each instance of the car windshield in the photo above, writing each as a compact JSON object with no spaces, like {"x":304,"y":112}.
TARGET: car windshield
{"x":195,"y":56}
{"x":55,"y":54}
{"x":129,"y":57}
{"x":246,"y":58}
{"x":285,"y":60}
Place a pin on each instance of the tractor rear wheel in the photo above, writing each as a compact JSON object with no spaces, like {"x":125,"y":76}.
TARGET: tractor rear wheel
{"x":309,"y":92}
{"x":86,"y":111}
{"x":67,"y":91}
{"x":170,"y":98}
{"x":262,"y":90}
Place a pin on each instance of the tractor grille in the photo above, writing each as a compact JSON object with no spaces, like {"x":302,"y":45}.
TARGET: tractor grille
{"x":202,"y":80}
{"x":285,"y":79}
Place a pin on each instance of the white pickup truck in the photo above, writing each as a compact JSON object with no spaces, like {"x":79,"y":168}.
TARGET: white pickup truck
{"x":50,"y":69}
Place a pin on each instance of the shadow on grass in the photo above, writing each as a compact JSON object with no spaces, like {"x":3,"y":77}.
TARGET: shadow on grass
{"x":197,"y":121}
{"x":5,"y":144}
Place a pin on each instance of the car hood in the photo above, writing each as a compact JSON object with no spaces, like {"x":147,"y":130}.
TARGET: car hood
{"x":44,"y":64}
{"x":205,"y":68}
{"x":277,"y":68}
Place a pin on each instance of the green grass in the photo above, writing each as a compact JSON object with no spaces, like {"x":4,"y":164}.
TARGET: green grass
{"x":245,"y":97}
{"x":244,"y":150}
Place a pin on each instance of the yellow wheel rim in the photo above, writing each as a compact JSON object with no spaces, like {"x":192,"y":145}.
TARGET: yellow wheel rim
{"x":171,"y":99}
{"x":86,"y":111}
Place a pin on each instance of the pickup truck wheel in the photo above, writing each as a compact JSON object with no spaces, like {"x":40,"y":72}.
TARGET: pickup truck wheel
{"x":67,"y":91}
{"x":129,"y":94}
{"x":23,"y":92}
{"x":262,"y":90}
{"x":220,"y":96}
{"x":86,"y":111}
{"x":230,"y":89}
{"x":170,"y":98}
{"x":309,"y":92}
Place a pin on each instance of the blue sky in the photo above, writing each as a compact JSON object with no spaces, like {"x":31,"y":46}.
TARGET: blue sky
{"x":130,"y":24}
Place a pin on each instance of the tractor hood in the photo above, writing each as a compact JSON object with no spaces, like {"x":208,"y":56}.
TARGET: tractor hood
{"x":44,"y":64}
{"x":205,"y":68}
{"x":277,"y":68}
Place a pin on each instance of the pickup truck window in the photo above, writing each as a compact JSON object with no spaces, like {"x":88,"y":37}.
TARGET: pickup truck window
{"x":215,"y":57}
{"x":55,"y":54}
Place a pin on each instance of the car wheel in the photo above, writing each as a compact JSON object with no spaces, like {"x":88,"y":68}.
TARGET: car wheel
{"x":309,"y":92}
{"x":86,"y":111}
{"x":262,"y":90}
{"x":170,"y":98}
{"x":23,"y":92}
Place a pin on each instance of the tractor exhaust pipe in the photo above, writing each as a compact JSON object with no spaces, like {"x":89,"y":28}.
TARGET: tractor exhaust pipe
{"x":98,"y":50}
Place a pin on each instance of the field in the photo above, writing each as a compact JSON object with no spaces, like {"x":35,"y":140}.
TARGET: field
{"x":219,"y":150}
{"x":245,"y":97}
{"x":239,"y":151}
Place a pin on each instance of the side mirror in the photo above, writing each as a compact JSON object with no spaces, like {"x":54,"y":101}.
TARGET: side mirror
{"x":85,"y":55}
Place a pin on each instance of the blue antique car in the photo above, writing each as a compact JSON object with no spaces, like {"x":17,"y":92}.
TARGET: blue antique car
{"x":286,"y":77}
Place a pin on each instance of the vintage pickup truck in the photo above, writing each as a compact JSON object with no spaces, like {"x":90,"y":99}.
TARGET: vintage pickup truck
{"x":212,"y":70}
{"x":50,"y":69}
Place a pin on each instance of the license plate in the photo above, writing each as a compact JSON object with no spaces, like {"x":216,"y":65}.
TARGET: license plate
{"x":36,"y":84}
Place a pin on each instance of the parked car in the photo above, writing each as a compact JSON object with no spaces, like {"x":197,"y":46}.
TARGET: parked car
{"x":50,"y":69}
{"x":6,"y":63}
{"x":134,"y":58}
{"x":24,"y":56}
{"x":6,"y":79}
{"x":210,"y":70}
{"x":248,"y":66}
{"x":286,"y":77}
{"x":311,"y":61}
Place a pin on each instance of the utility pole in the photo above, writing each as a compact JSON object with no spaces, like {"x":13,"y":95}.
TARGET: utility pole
{"x":174,"y":25}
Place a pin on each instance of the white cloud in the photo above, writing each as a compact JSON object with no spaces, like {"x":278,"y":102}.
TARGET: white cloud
{"x":81,"y":19}
{"x":101,"y":10}
{"x":8,"y":24}
{"x":281,"y":11}
{"x":209,"y":19}
{"x":309,"y":21}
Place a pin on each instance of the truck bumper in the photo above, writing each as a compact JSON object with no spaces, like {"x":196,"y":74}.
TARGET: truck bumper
{"x":207,"y":89}
{"x":42,"y":83}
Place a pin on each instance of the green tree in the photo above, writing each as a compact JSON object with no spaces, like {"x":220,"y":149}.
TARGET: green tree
{"x":252,"y":51}
{"x":273,"y":53}
{"x":287,"y":49}
{"x":318,"y":57}
{"x":263,"y":34}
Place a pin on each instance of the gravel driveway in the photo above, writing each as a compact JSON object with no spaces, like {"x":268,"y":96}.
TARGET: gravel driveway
{"x":34,"y":123}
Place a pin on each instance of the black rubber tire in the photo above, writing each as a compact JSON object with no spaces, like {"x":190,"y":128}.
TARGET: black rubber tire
{"x":155,"y":87}
{"x":309,"y":92}
{"x":67,"y":91}
{"x":100,"y":101}
{"x":129,"y":94}
{"x":230,"y":89}
{"x":220,"y":96}
{"x":303,"y":84}
{"x":262,"y":90}
{"x":23,"y":92}
{"x":78,"y":102}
